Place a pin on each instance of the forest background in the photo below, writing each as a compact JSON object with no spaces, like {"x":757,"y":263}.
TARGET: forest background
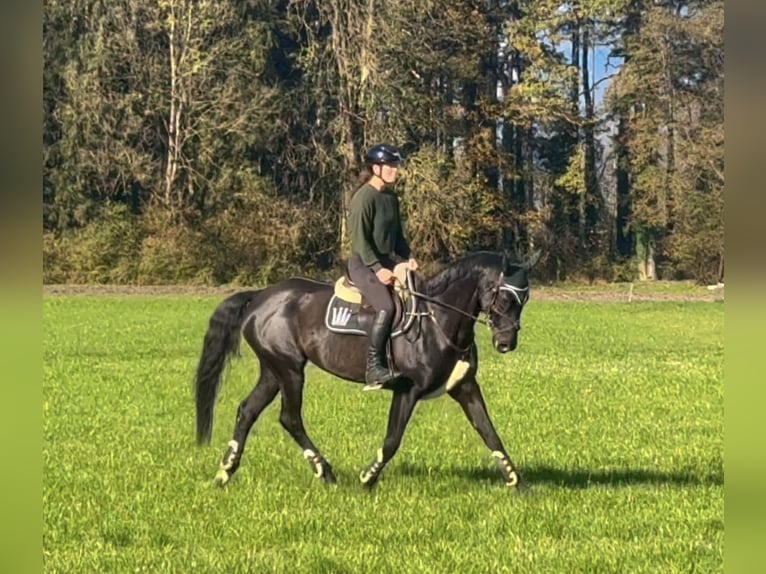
{"x":216,"y":142}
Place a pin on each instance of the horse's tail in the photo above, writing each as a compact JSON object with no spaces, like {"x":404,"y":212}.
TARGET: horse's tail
{"x":221,"y":341}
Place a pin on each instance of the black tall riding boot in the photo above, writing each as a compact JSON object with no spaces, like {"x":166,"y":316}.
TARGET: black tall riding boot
{"x":378,"y":373}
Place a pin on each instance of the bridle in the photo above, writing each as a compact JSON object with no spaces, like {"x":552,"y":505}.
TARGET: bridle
{"x":521,"y":294}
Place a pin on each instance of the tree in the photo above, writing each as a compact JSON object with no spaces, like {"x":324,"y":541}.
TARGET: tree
{"x":216,"y":123}
{"x":668,"y":96}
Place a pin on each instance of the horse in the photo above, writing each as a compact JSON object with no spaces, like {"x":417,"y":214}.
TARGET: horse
{"x":286,"y":325}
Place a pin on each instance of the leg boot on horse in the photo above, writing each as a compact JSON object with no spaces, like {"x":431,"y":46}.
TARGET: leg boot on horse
{"x":378,"y":373}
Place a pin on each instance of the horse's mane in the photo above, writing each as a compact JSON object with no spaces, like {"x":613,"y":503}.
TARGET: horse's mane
{"x":467,"y":264}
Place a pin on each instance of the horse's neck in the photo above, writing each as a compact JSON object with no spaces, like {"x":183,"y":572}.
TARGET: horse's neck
{"x":454,"y":290}
{"x":461,"y":293}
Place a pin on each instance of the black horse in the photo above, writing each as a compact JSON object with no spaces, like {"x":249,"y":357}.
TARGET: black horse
{"x":286,"y":326}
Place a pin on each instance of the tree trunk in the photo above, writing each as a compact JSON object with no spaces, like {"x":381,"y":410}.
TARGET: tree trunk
{"x":354,"y":69}
{"x":625,"y":241}
{"x":575,"y":207}
{"x":592,"y":193}
{"x":645,"y":255}
{"x":174,"y":116}
{"x":349,"y":158}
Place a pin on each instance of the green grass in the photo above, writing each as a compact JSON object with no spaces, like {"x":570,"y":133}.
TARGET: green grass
{"x":613,"y":412}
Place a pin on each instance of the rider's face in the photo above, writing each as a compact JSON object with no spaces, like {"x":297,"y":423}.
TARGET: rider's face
{"x":387,"y":173}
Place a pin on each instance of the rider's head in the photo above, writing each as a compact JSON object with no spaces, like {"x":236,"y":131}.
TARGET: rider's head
{"x":384,"y":161}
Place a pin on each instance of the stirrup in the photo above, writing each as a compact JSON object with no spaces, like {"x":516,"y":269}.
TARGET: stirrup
{"x":372,"y":386}
{"x":377,"y":385}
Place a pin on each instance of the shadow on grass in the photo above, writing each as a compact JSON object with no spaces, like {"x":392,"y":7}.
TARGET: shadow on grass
{"x":571,"y":478}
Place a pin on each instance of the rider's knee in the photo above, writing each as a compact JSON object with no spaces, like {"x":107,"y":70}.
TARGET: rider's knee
{"x":387,"y":306}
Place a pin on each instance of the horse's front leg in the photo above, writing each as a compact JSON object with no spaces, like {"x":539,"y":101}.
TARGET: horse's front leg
{"x":399,"y":415}
{"x":469,"y":397}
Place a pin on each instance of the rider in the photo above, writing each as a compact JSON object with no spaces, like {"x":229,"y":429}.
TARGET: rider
{"x":377,"y":244}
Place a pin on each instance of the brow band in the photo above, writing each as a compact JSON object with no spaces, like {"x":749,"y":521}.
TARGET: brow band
{"x":517,"y":291}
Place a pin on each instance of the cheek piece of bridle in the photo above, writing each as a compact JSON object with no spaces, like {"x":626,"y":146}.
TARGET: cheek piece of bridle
{"x":521,"y":294}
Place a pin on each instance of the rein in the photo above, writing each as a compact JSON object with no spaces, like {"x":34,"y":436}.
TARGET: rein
{"x":448,"y":306}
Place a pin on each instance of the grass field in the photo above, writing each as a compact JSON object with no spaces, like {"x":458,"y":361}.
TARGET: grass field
{"x":612,"y":411}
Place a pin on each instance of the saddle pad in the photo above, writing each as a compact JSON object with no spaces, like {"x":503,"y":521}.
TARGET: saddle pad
{"x":347,"y":318}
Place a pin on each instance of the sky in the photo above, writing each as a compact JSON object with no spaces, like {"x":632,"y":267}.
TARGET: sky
{"x":602,"y":67}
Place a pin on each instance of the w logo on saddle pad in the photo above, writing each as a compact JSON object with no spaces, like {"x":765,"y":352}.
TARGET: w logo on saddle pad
{"x":344,"y":317}
{"x":340,"y":316}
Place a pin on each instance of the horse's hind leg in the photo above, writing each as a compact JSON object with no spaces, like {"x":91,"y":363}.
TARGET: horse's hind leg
{"x":292,"y":421}
{"x":260,"y":397}
{"x":469,"y":397}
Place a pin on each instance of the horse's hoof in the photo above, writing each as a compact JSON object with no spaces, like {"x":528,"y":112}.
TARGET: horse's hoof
{"x":368,"y":480}
{"x":519,"y":487}
{"x":370,"y":475}
{"x":328,"y":477}
{"x":322,"y":469}
{"x":221,"y":478}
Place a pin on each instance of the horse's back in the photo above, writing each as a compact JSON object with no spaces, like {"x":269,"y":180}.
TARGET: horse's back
{"x":286,"y":308}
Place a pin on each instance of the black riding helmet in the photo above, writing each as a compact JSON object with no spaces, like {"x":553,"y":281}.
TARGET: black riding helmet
{"x":383,"y":154}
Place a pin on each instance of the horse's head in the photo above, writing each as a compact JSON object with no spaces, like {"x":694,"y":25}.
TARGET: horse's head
{"x":505,"y":292}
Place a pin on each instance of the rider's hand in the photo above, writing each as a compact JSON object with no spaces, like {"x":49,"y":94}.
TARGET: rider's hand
{"x":413,"y":265}
{"x":385,"y":276}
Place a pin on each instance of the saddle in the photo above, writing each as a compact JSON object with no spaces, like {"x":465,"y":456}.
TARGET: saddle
{"x":348,"y":312}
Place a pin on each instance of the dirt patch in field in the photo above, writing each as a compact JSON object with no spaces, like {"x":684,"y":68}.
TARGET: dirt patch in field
{"x":137,"y":290}
{"x":607,"y":294}
{"x":613,"y":294}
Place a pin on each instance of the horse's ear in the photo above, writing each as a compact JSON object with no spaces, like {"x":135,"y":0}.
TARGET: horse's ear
{"x":532,"y":260}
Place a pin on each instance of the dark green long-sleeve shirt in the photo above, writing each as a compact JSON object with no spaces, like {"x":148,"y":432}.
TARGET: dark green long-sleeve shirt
{"x":375,"y":226}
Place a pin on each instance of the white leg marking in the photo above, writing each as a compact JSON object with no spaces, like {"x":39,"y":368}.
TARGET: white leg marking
{"x":234,"y":446}
{"x":461,"y":368}
{"x":513,"y":477}
{"x":366,"y":475}
{"x":222,"y":477}
{"x":314,"y":459}
{"x":457,"y":374}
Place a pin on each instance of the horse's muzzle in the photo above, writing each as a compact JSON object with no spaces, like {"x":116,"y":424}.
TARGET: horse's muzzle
{"x":504,"y":346}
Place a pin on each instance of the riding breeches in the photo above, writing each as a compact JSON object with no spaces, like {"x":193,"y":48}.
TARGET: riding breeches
{"x":378,"y":294}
